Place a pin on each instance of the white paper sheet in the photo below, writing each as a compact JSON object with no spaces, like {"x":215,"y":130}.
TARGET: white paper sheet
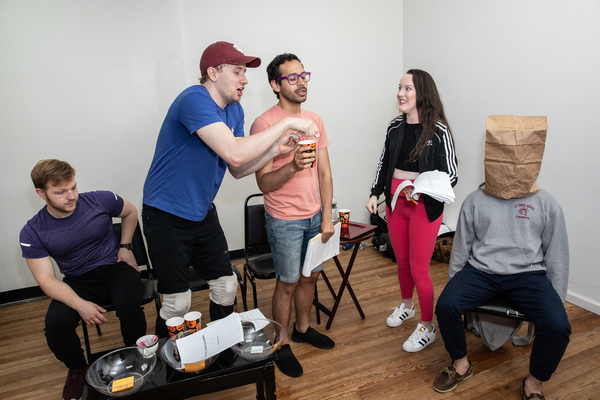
{"x":256,"y":317}
{"x":318,"y":252}
{"x":213,"y":339}
{"x":436,"y":184}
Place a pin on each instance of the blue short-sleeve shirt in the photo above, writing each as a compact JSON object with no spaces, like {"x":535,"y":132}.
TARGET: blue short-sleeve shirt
{"x":186,"y":174}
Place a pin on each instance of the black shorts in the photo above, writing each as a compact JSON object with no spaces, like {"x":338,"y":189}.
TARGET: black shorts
{"x":175,"y":244}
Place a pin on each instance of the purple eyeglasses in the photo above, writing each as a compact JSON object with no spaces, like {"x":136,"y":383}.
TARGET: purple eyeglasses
{"x":293,"y":78}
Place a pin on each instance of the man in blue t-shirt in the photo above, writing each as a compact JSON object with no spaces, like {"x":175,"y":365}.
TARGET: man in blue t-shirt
{"x":76,"y":231}
{"x":202,"y":136}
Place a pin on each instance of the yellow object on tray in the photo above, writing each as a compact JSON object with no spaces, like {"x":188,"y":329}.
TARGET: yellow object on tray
{"x":122,"y":384}
{"x":194,"y":367}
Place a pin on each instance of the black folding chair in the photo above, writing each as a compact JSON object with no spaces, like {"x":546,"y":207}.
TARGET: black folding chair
{"x":501,"y":306}
{"x":257,"y":252}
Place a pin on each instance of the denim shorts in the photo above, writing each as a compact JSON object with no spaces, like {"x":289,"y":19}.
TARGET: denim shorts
{"x":288,"y":240}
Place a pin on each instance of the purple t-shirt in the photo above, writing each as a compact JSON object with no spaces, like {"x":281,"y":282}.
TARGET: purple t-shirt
{"x":80,"y":242}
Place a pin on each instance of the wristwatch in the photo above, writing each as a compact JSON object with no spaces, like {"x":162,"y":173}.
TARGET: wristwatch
{"x":125,"y":246}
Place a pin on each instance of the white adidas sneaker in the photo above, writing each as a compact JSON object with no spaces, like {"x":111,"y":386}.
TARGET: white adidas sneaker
{"x":419,"y":339}
{"x":399,"y":315}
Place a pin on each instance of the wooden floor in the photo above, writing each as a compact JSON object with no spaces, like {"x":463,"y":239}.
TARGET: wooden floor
{"x":367,"y":362}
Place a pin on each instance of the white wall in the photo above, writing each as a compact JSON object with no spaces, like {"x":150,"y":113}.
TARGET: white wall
{"x":526,"y":58}
{"x":340,"y":42}
{"x":86,"y":82}
{"x":90,"y":83}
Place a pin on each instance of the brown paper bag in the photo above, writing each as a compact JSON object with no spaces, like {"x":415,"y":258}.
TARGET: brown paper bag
{"x":514,"y":147}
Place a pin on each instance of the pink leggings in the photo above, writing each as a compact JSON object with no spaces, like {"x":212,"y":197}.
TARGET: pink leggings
{"x":413,"y":240}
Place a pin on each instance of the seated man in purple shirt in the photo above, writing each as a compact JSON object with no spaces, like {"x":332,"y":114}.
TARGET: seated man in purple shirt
{"x":76,"y":231}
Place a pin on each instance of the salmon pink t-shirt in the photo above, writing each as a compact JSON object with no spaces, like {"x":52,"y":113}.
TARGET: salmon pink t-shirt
{"x":298,"y":198}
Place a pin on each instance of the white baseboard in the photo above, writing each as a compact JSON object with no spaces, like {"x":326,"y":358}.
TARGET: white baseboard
{"x":583,"y":302}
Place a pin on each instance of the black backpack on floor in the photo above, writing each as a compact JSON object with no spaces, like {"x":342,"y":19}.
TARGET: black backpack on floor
{"x":381,"y":239}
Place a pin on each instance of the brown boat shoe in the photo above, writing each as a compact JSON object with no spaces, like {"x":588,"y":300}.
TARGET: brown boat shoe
{"x":448,"y":379}
{"x":533,"y":395}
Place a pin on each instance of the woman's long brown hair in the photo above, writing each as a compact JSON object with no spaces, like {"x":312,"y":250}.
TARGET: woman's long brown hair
{"x":429,"y":108}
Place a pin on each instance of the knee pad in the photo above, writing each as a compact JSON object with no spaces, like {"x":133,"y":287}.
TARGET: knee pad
{"x":175,"y":304}
{"x":223,"y":290}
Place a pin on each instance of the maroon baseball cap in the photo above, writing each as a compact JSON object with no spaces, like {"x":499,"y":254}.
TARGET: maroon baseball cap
{"x":224,"y":52}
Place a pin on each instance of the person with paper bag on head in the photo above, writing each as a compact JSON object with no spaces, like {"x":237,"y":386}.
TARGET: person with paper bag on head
{"x":511,"y":239}
{"x":418,"y":142}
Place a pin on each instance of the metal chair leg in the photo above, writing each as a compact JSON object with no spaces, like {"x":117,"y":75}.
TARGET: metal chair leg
{"x":245,"y":289}
{"x":86,"y":340}
{"x":253,"y":282}
{"x":316,"y":302}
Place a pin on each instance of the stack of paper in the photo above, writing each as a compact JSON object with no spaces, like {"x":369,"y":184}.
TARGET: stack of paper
{"x":220,"y":335}
{"x":318,"y":252}
{"x":435,"y":184}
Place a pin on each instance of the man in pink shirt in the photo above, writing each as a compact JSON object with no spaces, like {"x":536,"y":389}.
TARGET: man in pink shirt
{"x":298,"y":190}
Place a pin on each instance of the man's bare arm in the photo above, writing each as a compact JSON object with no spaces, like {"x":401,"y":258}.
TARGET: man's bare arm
{"x":43,"y":272}
{"x":269,"y":180}
{"x":239,"y":151}
{"x":326,"y":194}
{"x":284,"y":145}
{"x":128,"y":223}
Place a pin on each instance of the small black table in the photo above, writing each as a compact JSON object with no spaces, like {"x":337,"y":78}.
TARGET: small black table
{"x":365,"y":234}
{"x":228,"y":371}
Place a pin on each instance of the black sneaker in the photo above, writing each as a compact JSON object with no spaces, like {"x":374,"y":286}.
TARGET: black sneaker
{"x":313,"y":337}
{"x":74,"y":385}
{"x":287,"y":362}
